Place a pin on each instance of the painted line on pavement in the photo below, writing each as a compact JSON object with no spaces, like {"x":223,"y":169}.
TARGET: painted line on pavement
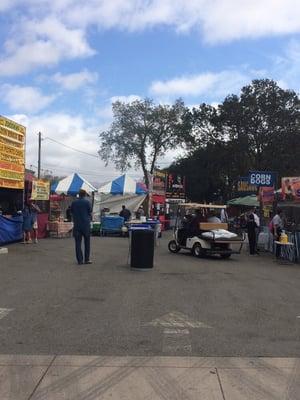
{"x":4,"y":312}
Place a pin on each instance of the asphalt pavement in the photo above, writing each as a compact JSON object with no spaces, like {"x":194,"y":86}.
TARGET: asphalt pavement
{"x":247,"y":306}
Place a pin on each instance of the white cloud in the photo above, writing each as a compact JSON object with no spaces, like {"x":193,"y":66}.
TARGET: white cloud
{"x":209,"y":83}
{"x":56,"y":30}
{"x":75,"y":80}
{"x":42,"y":43}
{"x":74,"y":131}
{"x":106,"y":111}
{"x":24,"y":98}
{"x":125,"y":99}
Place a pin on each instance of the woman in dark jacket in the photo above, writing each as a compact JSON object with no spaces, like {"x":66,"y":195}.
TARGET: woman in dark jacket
{"x":251,"y":229}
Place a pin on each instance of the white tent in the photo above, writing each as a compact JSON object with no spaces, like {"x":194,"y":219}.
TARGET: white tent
{"x":123,"y":190}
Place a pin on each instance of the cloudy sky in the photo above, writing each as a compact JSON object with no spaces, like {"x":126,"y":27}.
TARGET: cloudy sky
{"x":63,"y":62}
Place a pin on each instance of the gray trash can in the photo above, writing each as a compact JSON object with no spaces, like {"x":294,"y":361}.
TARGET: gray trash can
{"x":142,"y":248}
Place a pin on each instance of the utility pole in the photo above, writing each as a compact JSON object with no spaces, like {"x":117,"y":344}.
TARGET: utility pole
{"x":39,"y":155}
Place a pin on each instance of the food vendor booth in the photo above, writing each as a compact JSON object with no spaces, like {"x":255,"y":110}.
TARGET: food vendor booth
{"x":12,"y":176}
{"x":109,"y":200}
{"x":63,"y":194}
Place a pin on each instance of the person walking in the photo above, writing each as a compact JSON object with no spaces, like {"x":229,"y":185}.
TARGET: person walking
{"x":277,"y":223}
{"x":81,"y":212}
{"x":251,"y":230}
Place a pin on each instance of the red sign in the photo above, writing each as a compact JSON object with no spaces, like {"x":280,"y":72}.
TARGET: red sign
{"x":266,"y":195}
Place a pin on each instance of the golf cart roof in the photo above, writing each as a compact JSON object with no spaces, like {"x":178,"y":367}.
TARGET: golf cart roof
{"x":198,"y":205}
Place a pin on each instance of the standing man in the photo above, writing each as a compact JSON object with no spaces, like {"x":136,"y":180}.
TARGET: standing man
{"x":125,"y":213}
{"x":277,"y":223}
{"x":34,"y":212}
{"x":81,"y":211}
{"x":224,"y":216}
{"x":257,"y":229}
{"x":251,"y":230}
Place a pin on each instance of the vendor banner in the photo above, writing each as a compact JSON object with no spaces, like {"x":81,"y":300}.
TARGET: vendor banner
{"x":266,"y":195}
{"x":175,"y":186}
{"x":159,"y":182}
{"x":290,"y":187}
{"x":243,"y":186}
{"x":12,"y":154}
{"x":262,"y":178}
{"x":40,"y":189}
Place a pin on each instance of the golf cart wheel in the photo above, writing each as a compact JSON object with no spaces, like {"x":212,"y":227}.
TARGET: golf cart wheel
{"x":197,"y":250}
{"x":173,"y":247}
{"x":225,"y":256}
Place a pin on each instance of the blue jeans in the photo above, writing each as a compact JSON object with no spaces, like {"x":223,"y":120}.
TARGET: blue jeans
{"x":78,"y":235}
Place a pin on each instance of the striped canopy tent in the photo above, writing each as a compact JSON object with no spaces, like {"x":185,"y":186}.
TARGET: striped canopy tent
{"x":122,"y":186}
{"x":247,"y":201}
{"x":71,"y":185}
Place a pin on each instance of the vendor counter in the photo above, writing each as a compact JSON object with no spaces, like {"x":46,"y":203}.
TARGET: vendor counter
{"x":60,"y":229}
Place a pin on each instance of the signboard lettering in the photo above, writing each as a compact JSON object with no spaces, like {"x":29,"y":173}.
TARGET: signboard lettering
{"x":262,"y":178}
{"x":175,"y":186}
{"x":40,"y":189}
{"x":12,"y":154}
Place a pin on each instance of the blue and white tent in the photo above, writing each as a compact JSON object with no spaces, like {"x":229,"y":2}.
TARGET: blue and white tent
{"x":123,"y":190}
{"x":71,"y":185}
{"x":122,"y":186}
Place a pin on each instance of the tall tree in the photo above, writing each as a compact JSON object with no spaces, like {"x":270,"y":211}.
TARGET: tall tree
{"x":259,"y":129}
{"x":141,"y":132}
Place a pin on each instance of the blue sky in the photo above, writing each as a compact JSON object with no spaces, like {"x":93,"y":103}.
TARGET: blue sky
{"x":64,"y":62}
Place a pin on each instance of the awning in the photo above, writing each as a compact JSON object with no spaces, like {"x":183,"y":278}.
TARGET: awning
{"x":71,"y":185}
{"x":247,"y":201}
{"x":123,"y":185}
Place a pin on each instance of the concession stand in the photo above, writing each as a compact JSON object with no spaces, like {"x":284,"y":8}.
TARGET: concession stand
{"x":63,"y":194}
{"x":12,"y":176}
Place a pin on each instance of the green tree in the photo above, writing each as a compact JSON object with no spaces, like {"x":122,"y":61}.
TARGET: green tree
{"x":141,"y":132}
{"x":259,"y":130}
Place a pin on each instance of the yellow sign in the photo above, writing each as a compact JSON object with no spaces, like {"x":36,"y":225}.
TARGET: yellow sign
{"x":12,"y":154}
{"x":40,"y":189}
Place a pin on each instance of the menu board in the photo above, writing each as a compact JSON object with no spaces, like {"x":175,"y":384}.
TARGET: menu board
{"x":12,"y":154}
{"x":40,"y":189}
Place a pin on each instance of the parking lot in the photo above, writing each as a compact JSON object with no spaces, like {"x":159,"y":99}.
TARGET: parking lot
{"x":245,"y":306}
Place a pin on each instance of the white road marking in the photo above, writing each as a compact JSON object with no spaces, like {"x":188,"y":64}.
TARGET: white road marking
{"x":177,"y":320}
{"x":3,"y":250}
{"x":4,"y":312}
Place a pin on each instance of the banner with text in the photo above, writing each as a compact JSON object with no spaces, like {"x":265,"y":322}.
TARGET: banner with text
{"x":12,"y":154}
{"x":244,"y":187}
{"x":40,"y":189}
{"x":290,"y":187}
{"x":262,"y":178}
{"x":159,"y":182}
{"x":175,"y":186}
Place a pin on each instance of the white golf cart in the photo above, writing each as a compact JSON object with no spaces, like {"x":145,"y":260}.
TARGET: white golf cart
{"x":209,"y":238}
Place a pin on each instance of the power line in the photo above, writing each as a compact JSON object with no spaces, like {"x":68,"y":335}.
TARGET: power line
{"x":71,"y":148}
{"x":83,"y":172}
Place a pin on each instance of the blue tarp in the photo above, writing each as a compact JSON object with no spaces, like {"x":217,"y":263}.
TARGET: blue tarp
{"x":10,"y":229}
{"x":112,"y":223}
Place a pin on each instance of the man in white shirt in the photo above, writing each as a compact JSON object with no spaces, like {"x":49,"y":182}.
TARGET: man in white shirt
{"x":224,"y":215}
{"x":277,"y":223}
